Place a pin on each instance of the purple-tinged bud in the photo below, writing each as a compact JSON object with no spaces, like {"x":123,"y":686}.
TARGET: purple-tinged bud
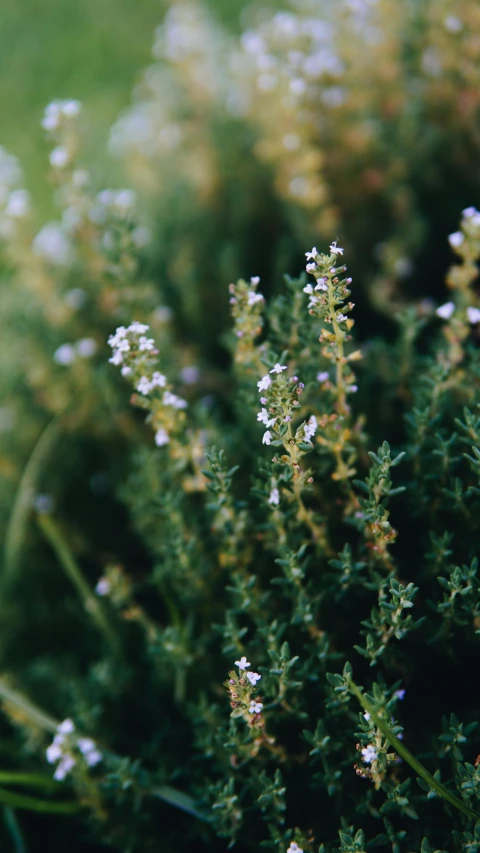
{"x":287,"y":418}
{"x":349,"y":280}
{"x":263,"y":401}
{"x":301,"y":385}
{"x":333,"y":270}
{"x":239,"y":334}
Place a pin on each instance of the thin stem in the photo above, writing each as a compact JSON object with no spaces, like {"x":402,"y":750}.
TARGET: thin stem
{"x":71,"y":568}
{"x":414,"y":763}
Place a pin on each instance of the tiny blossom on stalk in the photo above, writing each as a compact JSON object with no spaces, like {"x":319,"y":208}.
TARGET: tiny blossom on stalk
{"x":253,"y":677}
{"x":277,"y":368}
{"x":103,"y":587}
{"x":473,"y":315}
{"x":243,"y":663}
{"x":267,"y":437}
{"x":369,"y":754}
{"x":446,"y":310}
{"x":255,"y":707}
{"x":264,"y":383}
{"x":294,"y":848}
{"x":456,"y":239}
{"x":274,"y":497}
{"x":335,"y":250}
{"x":399,"y":694}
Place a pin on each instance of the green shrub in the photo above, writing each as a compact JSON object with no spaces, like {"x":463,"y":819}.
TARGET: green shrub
{"x":249,"y":613}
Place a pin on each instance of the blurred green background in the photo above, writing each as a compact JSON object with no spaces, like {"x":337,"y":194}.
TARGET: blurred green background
{"x":92,"y":50}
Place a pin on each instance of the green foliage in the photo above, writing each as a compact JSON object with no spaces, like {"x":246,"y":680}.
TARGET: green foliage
{"x":203,"y":556}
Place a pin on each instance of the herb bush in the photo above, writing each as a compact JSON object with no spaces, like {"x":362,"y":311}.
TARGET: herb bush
{"x":248,"y":614}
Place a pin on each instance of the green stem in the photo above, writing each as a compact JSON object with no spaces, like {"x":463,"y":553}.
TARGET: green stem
{"x":20,"y":801}
{"x":35,"y":715}
{"x":34,"y":780}
{"x":66,"y":559}
{"x":414,"y":763}
{"x":22,"y":506}
{"x":179,"y":800}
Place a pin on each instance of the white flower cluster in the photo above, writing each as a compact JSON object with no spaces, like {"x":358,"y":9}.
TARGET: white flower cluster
{"x":253,"y":678}
{"x":121,"y":345}
{"x":14,"y":201}
{"x":66,"y":354}
{"x":133,"y":351}
{"x":53,"y":244}
{"x":58,"y":111}
{"x":64,"y":746}
{"x":369,"y":754}
{"x":112,"y":203}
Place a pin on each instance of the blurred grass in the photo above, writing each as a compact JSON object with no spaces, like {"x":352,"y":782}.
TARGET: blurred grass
{"x":93,"y":50}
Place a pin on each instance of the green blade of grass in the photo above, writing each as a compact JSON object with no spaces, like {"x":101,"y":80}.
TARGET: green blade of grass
{"x":22,"y":801}
{"x":179,"y":800}
{"x":405,"y":753}
{"x":32,"y":712}
{"x":90,"y":601}
{"x":16,"y":529}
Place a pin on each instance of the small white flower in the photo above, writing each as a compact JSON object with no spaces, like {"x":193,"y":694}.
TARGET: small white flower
{"x":311,"y":268}
{"x":445,"y":311}
{"x":144,"y":386}
{"x":158,"y":380}
{"x":66,"y":727}
{"x":262,"y":416}
{"x":310,"y":428}
{"x":66,"y":764}
{"x":253,"y":677}
{"x":53,"y":244}
{"x":473,"y":315}
{"x":469,"y":211}
{"x":294,"y":848}
{"x":321,"y":285}
{"x":243,"y":663}
{"x":274,"y":497}
{"x":53,"y":753}
{"x":255,"y":279}
{"x":399,"y":694}
{"x":323,"y":376}
{"x":126,"y":370}
{"x":456,"y":239}
{"x":255,"y":707}
{"x":335,"y":250}
{"x":65,"y":354}
{"x":308,"y":289}
{"x":341,"y":318}
{"x":366,"y":716}
{"x":103,"y":587}
{"x":277,"y":368}
{"x":253,"y":297}
{"x":267,"y":437}
{"x":116,"y":358}
{"x":85,"y":744}
{"x":93,"y":757}
{"x":161,"y":437}
{"x":264,"y":383}
{"x":18,"y":204}
{"x":311,"y":255}
{"x":137,"y":328}
{"x":369,"y":754}
{"x":71,"y":108}
{"x":59,"y":157}
{"x":86,"y":347}
{"x":170,"y":399}
{"x":352,"y":389}
{"x":145,"y":344}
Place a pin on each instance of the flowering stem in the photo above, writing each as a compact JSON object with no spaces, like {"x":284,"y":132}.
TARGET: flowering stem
{"x":414,"y":763}
{"x":341,"y":392}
